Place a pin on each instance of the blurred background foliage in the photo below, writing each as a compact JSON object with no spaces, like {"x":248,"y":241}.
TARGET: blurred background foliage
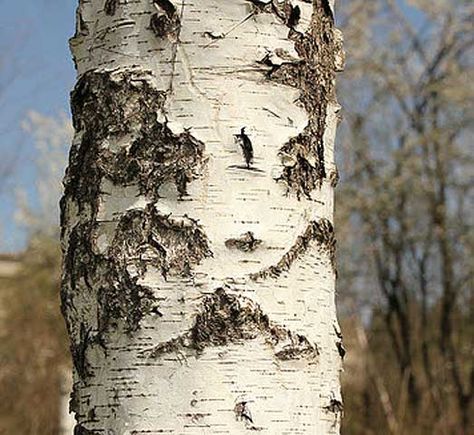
{"x":404,"y":216}
{"x":33,"y":347}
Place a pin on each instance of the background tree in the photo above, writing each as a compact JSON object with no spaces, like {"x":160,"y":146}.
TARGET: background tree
{"x":198,"y":281}
{"x":407,"y":205}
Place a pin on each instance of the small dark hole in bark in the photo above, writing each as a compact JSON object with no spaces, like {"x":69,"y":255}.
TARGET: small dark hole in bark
{"x":160,"y":25}
{"x":341,"y":349}
{"x":335,"y":406}
{"x":246,"y":146}
{"x":110,"y":7}
{"x":246,"y":242}
{"x":167,"y":6}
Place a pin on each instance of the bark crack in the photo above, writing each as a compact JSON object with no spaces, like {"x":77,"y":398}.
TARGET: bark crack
{"x":177,"y":31}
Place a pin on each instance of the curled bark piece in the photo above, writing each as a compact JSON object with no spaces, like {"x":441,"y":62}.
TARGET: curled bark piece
{"x":341,"y":349}
{"x":334,"y":177}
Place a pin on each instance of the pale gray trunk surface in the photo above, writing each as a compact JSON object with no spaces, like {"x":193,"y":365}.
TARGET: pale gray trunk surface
{"x":199,"y":275}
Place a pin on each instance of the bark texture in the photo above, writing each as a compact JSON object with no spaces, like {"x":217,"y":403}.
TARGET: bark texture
{"x":199,"y":275}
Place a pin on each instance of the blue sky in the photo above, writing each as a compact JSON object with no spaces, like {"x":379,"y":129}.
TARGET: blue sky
{"x":36,"y":73}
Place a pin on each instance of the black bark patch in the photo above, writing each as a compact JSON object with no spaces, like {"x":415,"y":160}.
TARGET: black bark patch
{"x":158,"y":156}
{"x":213,"y":35}
{"x":79,"y":429}
{"x":102,"y":289}
{"x":334,"y":178}
{"x":82,"y":28}
{"x":335,"y":406}
{"x":306,"y":170}
{"x":166,"y":6}
{"x":143,"y":238}
{"x":108,"y":109}
{"x":110,"y":7}
{"x":246,"y":242}
{"x":166,"y":22}
{"x":298,"y":347}
{"x":242,"y":413}
{"x":246,"y":146}
{"x":225,"y":318}
{"x":294,"y":16}
{"x":284,"y":11}
{"x":170,"y":244}
{"x":327,"y":8}
{"x":341,"y":350}
{"x":160,"y":24}
{"x":314,"y":76}
{"x":78,"y":352}
{"x":320,"y":231}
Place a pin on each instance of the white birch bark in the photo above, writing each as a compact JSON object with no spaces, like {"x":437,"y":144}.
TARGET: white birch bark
{"x":199,"y":280}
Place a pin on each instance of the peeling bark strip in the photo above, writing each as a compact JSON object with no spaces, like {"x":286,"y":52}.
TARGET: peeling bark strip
{"x":225,"y":318}
{"x":339,"y":343}
{"x":320,"y":231}
{"x":314,"y":76}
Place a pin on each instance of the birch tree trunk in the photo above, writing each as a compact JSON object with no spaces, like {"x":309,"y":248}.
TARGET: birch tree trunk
{"x":199,"y":278}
